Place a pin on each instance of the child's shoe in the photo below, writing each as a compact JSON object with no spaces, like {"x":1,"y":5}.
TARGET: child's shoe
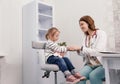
{"x":78,"y":76}
{"x":72,"y":79}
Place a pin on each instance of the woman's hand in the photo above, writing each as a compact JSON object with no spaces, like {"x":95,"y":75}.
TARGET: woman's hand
{"x":73,"y":48}
{"x":70,"y":48}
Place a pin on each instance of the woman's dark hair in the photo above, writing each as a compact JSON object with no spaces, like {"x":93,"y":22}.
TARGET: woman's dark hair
{"x":89,"y":21}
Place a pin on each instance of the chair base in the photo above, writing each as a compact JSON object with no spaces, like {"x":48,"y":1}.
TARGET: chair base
{"x":47,"y":74}
{"x":55,"y":77}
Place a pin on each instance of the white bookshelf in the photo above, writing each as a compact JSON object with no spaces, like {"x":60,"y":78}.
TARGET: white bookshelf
{"x":37,"y":19}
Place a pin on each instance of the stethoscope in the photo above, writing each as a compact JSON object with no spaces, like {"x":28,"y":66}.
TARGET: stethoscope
{"x":90,"y":44}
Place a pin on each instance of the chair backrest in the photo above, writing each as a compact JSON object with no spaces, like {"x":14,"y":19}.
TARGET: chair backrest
{"x":38,"y":45}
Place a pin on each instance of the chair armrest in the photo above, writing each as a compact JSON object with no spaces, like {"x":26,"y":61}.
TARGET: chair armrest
{"x":38,"y":45}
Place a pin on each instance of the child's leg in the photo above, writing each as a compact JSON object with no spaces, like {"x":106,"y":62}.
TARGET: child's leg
{"x":72,"y":69}
{"x":63,"y":67}
{"x":68,"y":63}
{"x":58,"y":61}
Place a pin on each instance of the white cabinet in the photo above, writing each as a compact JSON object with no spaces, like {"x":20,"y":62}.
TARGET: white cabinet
{"x":37,"y":19}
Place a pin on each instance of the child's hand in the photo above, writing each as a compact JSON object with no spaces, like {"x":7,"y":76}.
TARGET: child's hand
{"x":62,"y":54}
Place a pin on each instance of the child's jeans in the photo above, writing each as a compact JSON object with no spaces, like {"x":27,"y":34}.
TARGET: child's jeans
{"x":63,"y":63}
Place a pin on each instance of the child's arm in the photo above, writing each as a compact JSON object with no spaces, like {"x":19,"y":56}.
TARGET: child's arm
{"x":61,"y":49}
{"x":56,"y":48}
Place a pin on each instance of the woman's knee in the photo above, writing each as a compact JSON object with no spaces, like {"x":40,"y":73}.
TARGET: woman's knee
{"x":85,"y":71}
{"x":93,"y":75}
{"x":97,"y":73}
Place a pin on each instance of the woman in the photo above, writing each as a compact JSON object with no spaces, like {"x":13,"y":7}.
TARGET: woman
{"x":95,"y":41}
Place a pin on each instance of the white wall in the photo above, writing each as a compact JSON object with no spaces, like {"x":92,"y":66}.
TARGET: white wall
{"x":68,"y":12}
{"x":11,"y":39}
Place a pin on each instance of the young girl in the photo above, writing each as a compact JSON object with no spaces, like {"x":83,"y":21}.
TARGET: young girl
{"x":55,"y":55}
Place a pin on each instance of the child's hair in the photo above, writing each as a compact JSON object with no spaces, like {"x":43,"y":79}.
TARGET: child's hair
{"x":51,"y":32}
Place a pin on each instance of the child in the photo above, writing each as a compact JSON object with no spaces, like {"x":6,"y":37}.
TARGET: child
{"x":55,"y":55}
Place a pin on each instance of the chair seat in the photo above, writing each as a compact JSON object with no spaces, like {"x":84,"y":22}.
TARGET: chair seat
{"x":50,"y":67}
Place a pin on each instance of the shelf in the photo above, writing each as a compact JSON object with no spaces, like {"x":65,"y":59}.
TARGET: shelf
{"x":42,"y":29}
{"x":44,"y":18}
{"x":45,"y":9}
{"x":45,"y":15}
{"x":45,"y":22}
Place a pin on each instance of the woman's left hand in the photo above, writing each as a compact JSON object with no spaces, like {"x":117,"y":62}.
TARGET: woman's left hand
{"x":74,"y":48}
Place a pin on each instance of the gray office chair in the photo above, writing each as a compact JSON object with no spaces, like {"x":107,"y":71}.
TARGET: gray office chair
{"x":46,"y":67}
